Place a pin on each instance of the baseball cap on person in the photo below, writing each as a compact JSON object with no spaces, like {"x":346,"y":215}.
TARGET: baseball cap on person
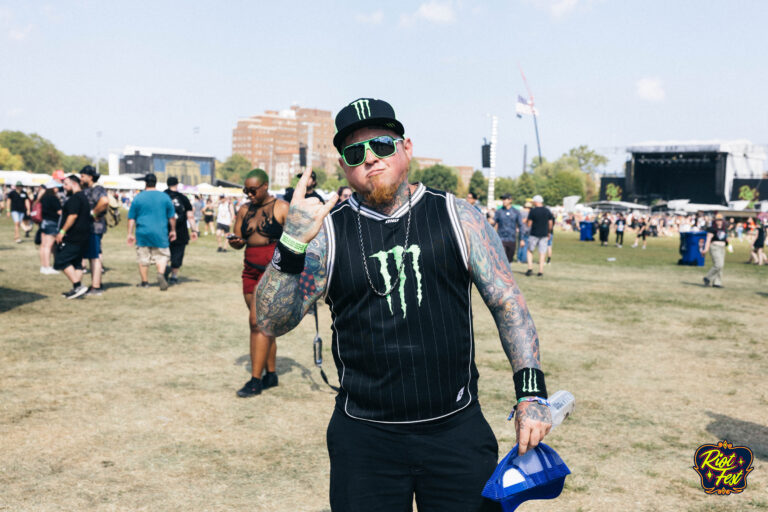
{"x":173,"y":180}
{"x":19,"y":184}
{"x":538,"y":199}
{"x":150,"y":179}
{"x":537,"y":475}
{"x":89,"y":170}
{"x":365,"y":112}
{"x":506,"y":196}
{"x":53,"y":184}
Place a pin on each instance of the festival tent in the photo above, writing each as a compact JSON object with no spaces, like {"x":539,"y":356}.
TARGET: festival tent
{"x":27,"y":179}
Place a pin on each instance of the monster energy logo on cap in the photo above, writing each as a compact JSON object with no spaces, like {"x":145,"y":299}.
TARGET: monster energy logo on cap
{"x":398,"y":252}
{"x":365,"y":112}
{"x":361,"y":106}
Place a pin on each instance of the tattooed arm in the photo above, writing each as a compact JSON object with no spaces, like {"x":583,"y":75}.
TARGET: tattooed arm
{"x":493,"y":278}
{"x":282,"y":299}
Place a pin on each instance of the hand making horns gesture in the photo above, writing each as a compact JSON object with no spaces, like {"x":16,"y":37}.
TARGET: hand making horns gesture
{"x":305,"y":215}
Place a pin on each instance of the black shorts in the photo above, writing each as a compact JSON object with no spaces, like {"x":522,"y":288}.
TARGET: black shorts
{"x":222,"y":227}
{"x":208,"y":218}
{"x":70,"y":253}
{"x":377,"y":468}
{"x":177,"y":254}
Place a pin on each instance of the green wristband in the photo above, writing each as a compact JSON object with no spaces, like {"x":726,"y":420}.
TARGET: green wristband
{"x":293,"y":244}
{"x":63,"y":231}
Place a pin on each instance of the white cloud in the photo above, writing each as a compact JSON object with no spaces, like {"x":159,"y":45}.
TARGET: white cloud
{"x":650,"y":89}
{"x":19,"y":33}
{"x":441,"y":13}
{"x":560,"y":8}
{"x":374,"y":18}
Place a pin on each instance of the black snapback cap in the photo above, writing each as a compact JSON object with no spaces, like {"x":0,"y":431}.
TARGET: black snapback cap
{"x":365,"y":112}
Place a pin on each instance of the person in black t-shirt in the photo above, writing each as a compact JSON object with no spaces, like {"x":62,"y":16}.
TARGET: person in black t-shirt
{"x":49,"y":227}
{"x":605,"y":229}
{"x":98,"y":202}
{"x":18,"y":205}
{"x":757,"y":255}
{"x":73,"y":236}
{"x":642,"y":232}
{"x":311,"y":192}
{"x":185,"y":221}
{"x":541,"y":222}
{"x":717,"y":240}
{"x":620,"y":223}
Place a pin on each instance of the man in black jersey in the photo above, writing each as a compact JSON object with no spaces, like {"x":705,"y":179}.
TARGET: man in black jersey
{"x":258,"y":226}
{"x":395,"y":263}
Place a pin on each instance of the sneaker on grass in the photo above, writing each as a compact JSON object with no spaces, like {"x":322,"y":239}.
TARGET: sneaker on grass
{"x":76,"y":292}
{"x":252,"y":388}
{"x":162,"y":282}
{"x":94,"y":292}
{"x":269,"y":380}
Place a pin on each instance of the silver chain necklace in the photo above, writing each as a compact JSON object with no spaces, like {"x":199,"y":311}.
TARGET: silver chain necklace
{"x":362,"y":249}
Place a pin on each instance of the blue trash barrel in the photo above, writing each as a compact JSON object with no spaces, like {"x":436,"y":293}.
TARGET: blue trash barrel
{"x":691,"y":245}
{"x":587,"y":230}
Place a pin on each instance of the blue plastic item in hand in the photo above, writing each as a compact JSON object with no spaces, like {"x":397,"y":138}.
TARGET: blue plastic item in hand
{"x":537,"y":475}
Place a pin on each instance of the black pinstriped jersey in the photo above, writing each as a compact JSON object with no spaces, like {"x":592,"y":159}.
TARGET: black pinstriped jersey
{"x":407,"y":357}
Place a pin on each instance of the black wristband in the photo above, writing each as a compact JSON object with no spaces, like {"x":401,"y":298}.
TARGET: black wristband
{"x":530,"y":382}
{"x":287,"y":261}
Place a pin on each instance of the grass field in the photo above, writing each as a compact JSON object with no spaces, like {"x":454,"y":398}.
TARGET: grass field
{"x":127,"y":402}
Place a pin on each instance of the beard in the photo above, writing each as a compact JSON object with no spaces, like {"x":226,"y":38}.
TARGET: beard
{"x":380,"y":195}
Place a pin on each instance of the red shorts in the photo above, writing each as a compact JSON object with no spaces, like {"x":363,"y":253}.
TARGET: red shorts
{"x":256,"y":261}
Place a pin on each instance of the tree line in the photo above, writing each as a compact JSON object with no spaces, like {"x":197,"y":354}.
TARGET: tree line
{"x":31,"y":152}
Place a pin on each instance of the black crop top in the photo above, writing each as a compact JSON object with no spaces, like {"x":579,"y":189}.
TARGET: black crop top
{"x":260,"y":218}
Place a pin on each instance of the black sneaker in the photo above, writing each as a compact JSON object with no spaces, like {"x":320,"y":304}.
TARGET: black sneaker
{"x":143,"y":284}
{"x":539,"y":274}
{"x":717,"y":286}
{"x":76,"y":292}
{"x":252,"y":388}
{"x":550,"y":259}
{"x":529,"y":272}
{"x":706,"y":281}
{"x":269,"y":380}
{"x":173,"y":280}
{"x":162,"y":282}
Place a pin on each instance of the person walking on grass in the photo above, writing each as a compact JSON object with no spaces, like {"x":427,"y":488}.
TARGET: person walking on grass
{"x":49,"y":227}
{"x":186,"y":229}
{"x":258,"y":227}
{"x":540,"y":223}
{"x":642,"y":232}
{"x":224,"y":215}
{"x":18,"y":205}
{"x":152,"y":219}
{"x":396,"y":263}
{"x":509,"y":225}
{"x":73,"y":236}
{"x":98,"y":202}
{"x":621,"y":223}
{"x":757,"y":255}
{"x":605,"y":229}
{"x":208,"y":217}
{"x":717,"y":240}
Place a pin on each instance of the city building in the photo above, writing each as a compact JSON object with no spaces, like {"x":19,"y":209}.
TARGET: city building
{"x":272,"y":141}
{"x":190,"y":168}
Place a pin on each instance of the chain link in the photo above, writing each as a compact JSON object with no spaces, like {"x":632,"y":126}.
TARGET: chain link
{"x":365,"y":260}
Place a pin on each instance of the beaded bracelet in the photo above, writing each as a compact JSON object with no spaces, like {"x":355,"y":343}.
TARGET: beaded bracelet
{"x":542,"y":401}
{"x":293,"y":244}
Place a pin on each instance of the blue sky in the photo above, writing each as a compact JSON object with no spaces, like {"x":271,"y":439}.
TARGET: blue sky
{"x":605,"y":73}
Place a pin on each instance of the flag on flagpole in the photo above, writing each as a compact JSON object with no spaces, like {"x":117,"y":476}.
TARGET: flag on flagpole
{"x":524,"y":107}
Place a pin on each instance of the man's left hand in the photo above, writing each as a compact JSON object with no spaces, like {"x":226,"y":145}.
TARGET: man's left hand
{"x":532,"y":422}
{"x":172,"y":235}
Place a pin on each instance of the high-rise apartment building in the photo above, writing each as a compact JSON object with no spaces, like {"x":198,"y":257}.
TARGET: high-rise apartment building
{"x":271,"y":141}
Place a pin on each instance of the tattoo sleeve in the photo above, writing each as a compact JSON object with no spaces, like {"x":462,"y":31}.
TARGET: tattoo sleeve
{"x":282,"y":299}
{"x":493,"y":278}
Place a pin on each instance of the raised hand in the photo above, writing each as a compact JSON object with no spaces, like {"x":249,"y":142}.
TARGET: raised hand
{"x":305,"y":215}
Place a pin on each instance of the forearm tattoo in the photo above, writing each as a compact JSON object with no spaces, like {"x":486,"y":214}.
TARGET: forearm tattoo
{"x":282,"y":300}
{"x":493,"y":278}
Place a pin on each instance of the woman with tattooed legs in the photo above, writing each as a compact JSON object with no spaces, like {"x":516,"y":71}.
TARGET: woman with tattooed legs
{"x":395,"y":263}
{"x":258,"y":226}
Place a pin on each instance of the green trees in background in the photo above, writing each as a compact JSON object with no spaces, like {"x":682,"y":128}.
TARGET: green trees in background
{"x":233,"y":169}
{"x":39,"y":155}
{"x":9,"y":161}
{"x":437,"y":176}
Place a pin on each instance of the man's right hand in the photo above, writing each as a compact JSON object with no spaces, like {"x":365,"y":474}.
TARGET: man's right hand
{"x":305,"y":215}
{"x":131,"y":239}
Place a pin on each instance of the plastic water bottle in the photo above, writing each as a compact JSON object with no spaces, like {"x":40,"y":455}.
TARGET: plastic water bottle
{"x":561,"y":404}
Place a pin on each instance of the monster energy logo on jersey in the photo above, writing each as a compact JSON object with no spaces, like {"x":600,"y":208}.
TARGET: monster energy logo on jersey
{"x":398,"y":252}
{"x":361,"y":106}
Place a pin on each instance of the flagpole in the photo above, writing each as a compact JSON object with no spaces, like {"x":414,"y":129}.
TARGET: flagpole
{"x":533,"y":111}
